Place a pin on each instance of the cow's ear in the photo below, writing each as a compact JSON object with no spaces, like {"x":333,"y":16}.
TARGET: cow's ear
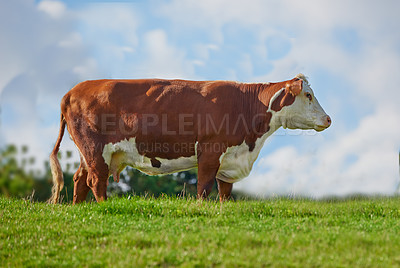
{"x":295,"y":86}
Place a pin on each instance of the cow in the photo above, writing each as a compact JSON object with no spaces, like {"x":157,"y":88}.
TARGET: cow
{"x":165,"y":126}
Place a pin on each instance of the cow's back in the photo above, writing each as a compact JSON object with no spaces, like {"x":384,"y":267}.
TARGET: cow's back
{"x":166,"y":101}
{"x":133,"y":95}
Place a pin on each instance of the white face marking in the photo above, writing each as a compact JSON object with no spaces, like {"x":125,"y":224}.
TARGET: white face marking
{"x":125,"y":153}
{"x":303,"y":113}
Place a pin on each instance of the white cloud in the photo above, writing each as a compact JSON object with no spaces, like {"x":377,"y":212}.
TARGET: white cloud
{"x":202,"y":51}
{"x":55,"y":9}
{"x":122,"y":51}
{"x":111,"y":32}
{"x":162,"y":59}
{"x":72,"y":40}
{"x":87,"y":69}
{"x":108,"y":20}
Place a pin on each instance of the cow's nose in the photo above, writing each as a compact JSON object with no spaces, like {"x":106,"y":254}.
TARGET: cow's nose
{"x":328,"y":121}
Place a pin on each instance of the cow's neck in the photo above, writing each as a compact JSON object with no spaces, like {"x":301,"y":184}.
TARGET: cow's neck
{"x":257,"y":102}
{"x":268,"y":94}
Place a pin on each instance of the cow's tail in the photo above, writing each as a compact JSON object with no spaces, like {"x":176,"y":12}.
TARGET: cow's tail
{"x":56,"y":172}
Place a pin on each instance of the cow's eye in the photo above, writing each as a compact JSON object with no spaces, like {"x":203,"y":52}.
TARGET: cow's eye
{"x":309,"y":96}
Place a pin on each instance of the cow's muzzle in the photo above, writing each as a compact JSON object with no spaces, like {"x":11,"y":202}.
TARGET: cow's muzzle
{"x":326,"y":122}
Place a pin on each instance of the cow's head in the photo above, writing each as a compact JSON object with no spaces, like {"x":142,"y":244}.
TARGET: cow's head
{"x":304,"y":112}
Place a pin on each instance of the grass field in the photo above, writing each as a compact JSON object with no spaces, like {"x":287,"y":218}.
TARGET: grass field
{"x":138,"y":231}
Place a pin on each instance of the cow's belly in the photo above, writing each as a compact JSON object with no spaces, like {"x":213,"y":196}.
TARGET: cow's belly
{"x":124,"y":153}
{"x":235,"y":164}
{"x":167,"y":166}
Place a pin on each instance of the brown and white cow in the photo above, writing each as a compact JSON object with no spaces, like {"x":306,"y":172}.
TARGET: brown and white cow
{"x":165,"y":126}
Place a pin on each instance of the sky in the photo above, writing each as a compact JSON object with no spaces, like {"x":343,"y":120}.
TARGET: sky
{"x":350,"y":51}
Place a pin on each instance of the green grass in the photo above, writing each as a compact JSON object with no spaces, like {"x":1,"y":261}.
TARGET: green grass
{"x":178,"y":232}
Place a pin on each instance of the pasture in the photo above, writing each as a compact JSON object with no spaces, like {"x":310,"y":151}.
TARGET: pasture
{"x":169,"y":231}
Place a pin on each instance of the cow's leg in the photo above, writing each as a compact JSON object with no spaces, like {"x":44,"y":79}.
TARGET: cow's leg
{"x":224,"y":190}
{"x":98,"y":180}
{"x":98,"y":185}
{"x":208,"y":165}
{"x":81,"y":189}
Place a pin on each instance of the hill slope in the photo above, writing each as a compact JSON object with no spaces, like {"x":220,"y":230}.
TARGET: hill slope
{"x":140,"y":231}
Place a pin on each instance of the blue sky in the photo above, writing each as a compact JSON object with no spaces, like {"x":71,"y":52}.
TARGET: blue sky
{"x":350,"y":50}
